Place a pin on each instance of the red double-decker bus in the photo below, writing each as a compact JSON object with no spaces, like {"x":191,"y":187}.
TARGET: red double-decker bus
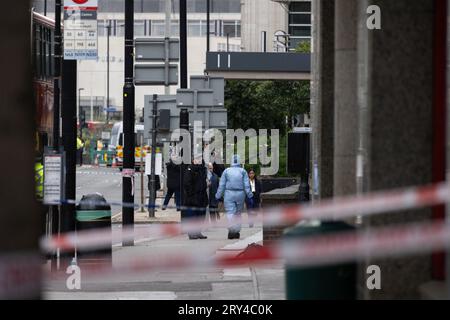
{"x":42,"y":44}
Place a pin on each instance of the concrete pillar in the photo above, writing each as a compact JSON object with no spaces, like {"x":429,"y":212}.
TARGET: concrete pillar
{"x":345,"y":92}
{"x":397,"y":89}
{"x":322,"y":108}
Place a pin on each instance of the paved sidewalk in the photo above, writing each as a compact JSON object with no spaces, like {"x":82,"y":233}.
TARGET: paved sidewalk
{"x":170,"y":215}
{"x":199,"y":283}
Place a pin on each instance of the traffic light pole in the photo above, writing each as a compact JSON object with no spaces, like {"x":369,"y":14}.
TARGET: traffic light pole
{"x":56,"y":110}
{"x":183,"y":45}
{"x":184,"y":114}
{"x":69,"y":127}
{"x":152,"y":199}
{"x":128,"y":124}
{"x":108,"y":28}
{"x":208,"y":24}
{"x":57,"y":76}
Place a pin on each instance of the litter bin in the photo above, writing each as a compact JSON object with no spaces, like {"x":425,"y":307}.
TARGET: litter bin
{"x":330,"y":282}
{"x":93,"y":212}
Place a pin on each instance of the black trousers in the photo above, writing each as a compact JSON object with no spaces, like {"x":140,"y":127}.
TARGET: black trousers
{"x":193,"y":215}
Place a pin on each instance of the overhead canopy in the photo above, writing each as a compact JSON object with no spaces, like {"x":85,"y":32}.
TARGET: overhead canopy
{"x":259,"y":65}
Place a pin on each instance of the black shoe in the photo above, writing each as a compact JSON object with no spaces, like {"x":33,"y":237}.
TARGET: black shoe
{"x":233,"y":235}
{"x":201,"y":236}
{"x":250,"y":225}
{"x":193,"y":237}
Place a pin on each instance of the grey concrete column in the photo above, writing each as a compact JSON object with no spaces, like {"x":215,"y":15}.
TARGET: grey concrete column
{"x":322,"y":108}
{"x":345,"y":93}
{"x":398,"y":93}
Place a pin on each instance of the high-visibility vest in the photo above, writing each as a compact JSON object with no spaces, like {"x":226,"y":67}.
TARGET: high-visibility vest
{"x":79,"y":144}
{"x":39,"y":179}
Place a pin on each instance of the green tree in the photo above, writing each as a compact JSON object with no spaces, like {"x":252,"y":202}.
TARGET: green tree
{"x":268,"y":104}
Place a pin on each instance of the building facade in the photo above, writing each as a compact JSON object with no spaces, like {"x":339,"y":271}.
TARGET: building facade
{"x":150,"y":19}
{"x":291,"y":17}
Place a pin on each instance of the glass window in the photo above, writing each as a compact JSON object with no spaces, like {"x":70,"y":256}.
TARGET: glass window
{"x":300,"y":6}
{"x":194,"y":28}
{"x":294,"y":42}
{"x":37,"y":51}
{"x":302,"y":31}
{"x":229,"y":28}
{"x":212,"y":27}
{"x":111,"y":5}
{"x":198,"y":6}
{"x":302,"y":18}
{"x":230,"y":6}
{"x":101,"y":28}
{"x":158,"y":28}
{"x":120,"y":28}
{"x":175,"y":28}
{"x":152,"y":6}
{"x":38,"y":6}
{"x":48,"y":56}
{"x":139,"y":28}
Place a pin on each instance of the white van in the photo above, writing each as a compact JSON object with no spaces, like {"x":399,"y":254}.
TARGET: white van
{"x":116,"y":142}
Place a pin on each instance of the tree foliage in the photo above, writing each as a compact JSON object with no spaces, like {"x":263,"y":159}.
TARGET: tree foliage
{"x":267,"y":104}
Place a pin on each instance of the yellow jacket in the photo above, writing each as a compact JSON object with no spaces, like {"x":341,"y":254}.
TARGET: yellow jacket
{"x":80,"y":144}
{"x":39,"y":179}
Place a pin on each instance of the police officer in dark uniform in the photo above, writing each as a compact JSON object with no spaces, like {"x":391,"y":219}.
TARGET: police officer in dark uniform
{"x":195,"y":197}
{"x":173,"y":184}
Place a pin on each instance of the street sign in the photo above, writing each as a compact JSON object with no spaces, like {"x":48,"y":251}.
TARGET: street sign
{"x":155,"y":74}
{"x":158,"y":164}
{"x":217,"y":84}
{"x":53,"y":164}
{"x":195,"y":98}
{"x":154,"y":49}
{"x":216,"y":118}
{"x":200,"y":104}
{"x":165,"y":102}
{"x":80,"y":29}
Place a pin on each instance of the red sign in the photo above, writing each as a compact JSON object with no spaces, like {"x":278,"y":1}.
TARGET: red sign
{"x":80,"y":4}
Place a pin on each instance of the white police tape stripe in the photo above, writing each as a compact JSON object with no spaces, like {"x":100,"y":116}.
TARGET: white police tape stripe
{"x":336,"y":248}
{"x":338,"y":208}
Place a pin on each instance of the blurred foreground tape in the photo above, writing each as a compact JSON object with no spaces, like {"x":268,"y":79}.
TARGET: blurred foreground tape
{"x":311,"y":251}
{"x":334,"y":209}
{"x":20,"y":276}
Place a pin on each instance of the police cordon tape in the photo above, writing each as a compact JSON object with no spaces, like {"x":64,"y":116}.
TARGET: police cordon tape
{"x":330,"y":249}
{"x":20,"y":275}
{"x":333,"y":209}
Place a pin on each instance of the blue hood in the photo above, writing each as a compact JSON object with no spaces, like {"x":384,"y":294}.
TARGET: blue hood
{"x":236,"y":161}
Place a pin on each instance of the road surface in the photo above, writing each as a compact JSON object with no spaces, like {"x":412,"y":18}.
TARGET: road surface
{"x":108,"y":182}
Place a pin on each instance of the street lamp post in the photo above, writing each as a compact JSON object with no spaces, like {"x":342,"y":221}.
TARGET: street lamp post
{"x":79,"y":110}
{"x":108,"y":28}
